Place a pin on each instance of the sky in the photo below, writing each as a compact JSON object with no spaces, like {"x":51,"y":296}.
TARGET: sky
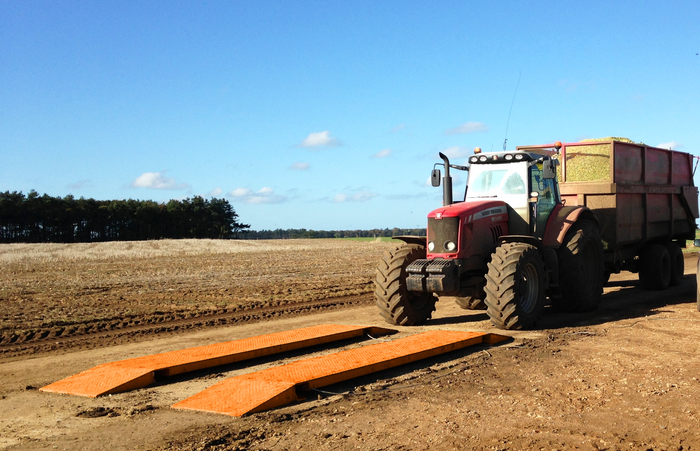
{"x":326,"y":115}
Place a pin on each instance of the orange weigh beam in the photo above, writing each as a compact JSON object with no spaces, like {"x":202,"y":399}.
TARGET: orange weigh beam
{"x":274,"y":387}
{"x":130,"y":374}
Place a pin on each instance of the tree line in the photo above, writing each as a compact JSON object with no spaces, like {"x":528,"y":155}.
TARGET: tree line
{"x":33,"y":218}
{"x":284,"y":234}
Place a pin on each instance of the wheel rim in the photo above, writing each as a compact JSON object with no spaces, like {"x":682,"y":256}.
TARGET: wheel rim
{"x":529,"y":288}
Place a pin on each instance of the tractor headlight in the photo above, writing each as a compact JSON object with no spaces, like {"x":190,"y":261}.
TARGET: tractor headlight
{"x":450,"y":246}
{"x":431,"y":246}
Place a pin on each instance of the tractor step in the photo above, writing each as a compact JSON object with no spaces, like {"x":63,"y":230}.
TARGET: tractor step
{"x":277,"y":386}
{"x":130,"y":374}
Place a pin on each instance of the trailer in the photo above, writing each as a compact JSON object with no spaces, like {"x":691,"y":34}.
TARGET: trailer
{"x":643,"y":197}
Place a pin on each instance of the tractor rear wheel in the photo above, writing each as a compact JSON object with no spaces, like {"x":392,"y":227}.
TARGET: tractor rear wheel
{"x":581,"y":269}
{"x":396,"y":304}
{"x":515,"y":286}
{"x":677,"y":263}
{"x":655,"y":267}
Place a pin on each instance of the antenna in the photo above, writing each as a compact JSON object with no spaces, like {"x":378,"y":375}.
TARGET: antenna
{"x":505,"y":138}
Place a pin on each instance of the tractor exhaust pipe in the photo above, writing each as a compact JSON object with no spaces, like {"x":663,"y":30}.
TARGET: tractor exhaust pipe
{"x":447,"y":182}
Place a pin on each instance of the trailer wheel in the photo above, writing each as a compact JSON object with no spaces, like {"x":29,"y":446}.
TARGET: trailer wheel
{"x":675,"y":253}
{"x":655,"y":267}
{"x":515,"y":286}
{"x":396,"y":304}
{"x":581,"y":269}
{"x":472,"y":297}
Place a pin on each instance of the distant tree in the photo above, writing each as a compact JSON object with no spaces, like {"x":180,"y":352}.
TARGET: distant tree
{"x":35,"y":218}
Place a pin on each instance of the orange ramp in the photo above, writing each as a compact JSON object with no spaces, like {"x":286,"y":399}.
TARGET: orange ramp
{"x":277,"y":386}
{"x":130,"y":374}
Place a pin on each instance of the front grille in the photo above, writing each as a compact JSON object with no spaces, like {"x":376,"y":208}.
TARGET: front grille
{"x":440,"y":231}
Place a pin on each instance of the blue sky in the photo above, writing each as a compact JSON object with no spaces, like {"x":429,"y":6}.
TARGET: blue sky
{"x":325,"y":114}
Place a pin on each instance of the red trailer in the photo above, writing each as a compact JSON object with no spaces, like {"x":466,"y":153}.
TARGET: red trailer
{"x":640,"y":195}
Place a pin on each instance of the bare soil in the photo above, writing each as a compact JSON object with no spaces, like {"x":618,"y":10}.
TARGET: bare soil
{"x":625,"y":377}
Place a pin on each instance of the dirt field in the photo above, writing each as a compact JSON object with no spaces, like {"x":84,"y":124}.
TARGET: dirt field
{"x":118,"y":290}
{"x":625,"y":377}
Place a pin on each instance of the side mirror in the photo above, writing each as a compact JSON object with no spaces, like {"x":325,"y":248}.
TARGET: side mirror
{"x":549,"y":169}
{"x":435,"y":177}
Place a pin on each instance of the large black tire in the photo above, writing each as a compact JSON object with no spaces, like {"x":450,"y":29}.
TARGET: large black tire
{"x":473,"y":295}
{"x":581,"y":269}
{"x":396,"y":304}
{"x":515,"y":286}
{"x":675,"y":253}
{"x":655,"y":267}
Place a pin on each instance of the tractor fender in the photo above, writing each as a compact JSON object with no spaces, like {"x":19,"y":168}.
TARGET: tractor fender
{"x":561,"y":220}
{"x":410,"y":239}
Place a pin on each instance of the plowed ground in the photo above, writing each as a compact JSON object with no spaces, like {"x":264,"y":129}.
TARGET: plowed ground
{"x":624,"y":377}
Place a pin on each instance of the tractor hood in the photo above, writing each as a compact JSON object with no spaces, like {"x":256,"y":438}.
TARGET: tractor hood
{"x":471,"y":211}
{"x":463,"y":229}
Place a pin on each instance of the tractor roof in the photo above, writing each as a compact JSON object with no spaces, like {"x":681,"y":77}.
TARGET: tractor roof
{"x":503,"y":157}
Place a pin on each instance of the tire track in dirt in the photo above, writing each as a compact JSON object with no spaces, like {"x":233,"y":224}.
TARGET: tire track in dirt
{"x":116,"y":331}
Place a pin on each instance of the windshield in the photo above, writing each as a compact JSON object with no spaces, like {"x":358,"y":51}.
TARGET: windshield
{"x":497,"y":180}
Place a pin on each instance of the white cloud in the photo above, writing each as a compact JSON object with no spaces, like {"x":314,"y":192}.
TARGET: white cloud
{"x":468,"y":127}
{"x":670,"y":145}
{"x":457,"y":152}
{"x":240,"y":192}
{"x":320,"y":139}
{"x":383,"y":153}
{"x":300,"y":166}
{"x":215,"y":192}
{"x":157,"y":180}
{"x":81,"y":184}
{"x":359,"y":196}
{"x":265,"y":195}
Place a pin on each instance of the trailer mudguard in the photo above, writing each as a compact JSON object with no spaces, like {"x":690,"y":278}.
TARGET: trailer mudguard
{"x":561,"y":220}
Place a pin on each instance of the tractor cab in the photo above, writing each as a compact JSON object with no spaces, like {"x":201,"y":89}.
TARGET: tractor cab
{"x":524,"y":181}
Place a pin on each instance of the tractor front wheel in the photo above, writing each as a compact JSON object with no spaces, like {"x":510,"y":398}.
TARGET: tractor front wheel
{"x":396,"y":304}
{"x":471,"y":297}
{"x":515,"y":286}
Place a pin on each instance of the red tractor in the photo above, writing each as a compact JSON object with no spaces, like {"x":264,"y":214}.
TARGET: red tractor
{"x":511,"y":243}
